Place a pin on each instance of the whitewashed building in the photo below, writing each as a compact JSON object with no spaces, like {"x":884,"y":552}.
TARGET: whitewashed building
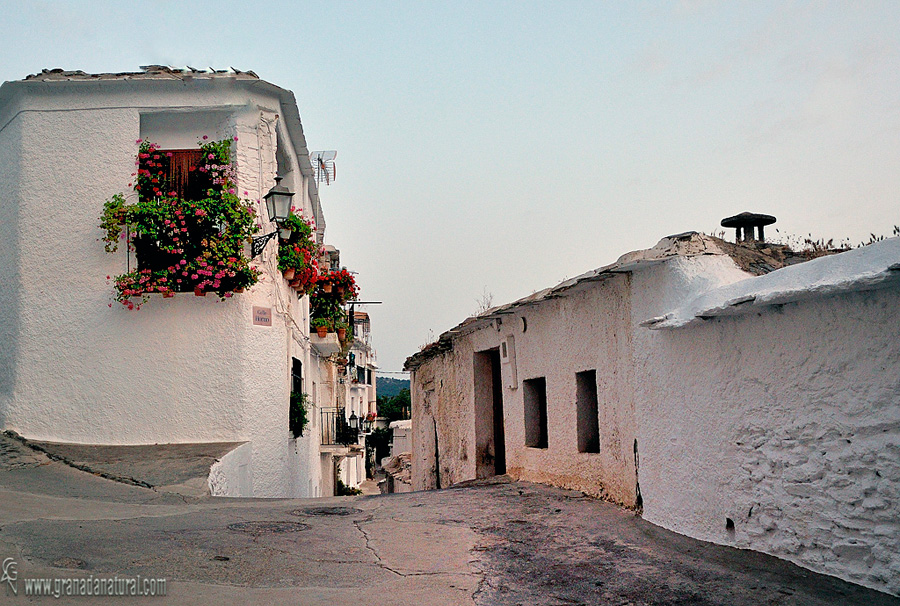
{"x":74,"y":368}
{"x":760,"y":411}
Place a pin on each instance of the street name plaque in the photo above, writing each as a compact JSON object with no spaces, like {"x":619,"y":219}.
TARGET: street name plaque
{"x":262,"y":316}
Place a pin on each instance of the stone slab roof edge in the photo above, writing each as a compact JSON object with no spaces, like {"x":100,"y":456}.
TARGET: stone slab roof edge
{"x":870,"y":267}
{"x":689,"y":243}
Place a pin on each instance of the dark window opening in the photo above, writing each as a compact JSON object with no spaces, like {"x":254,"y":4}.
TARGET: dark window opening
{"x":535,"y":395}
{"x":296,"y":375}
{"x":180,"y":173}
{"x":586,"y":411}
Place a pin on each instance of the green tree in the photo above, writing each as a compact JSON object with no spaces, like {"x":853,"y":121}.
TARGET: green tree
{"x":395,"y":408}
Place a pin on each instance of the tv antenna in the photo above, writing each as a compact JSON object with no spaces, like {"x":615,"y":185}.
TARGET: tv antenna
{"x":323,"y":165}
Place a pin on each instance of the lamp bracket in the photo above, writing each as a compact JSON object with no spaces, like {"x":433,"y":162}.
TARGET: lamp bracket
{"x":259,"y":243}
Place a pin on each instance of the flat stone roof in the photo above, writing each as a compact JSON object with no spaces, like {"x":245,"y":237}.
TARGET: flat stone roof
{"x":148,"y":72}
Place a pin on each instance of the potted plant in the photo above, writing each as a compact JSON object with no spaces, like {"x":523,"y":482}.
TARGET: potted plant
{"x":322,"y":325}
{"x":341,"y":328}
{"x":297,"y":254}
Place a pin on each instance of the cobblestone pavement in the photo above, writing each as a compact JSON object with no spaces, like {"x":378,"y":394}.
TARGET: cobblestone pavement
{"x":500,"y":543}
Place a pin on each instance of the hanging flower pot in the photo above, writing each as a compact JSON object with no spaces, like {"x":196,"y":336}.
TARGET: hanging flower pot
{"x":289,"y":274}
{"x":322,"y":331}
{"x":340,"y":291}
{"x":326,"y":287}
{"x":199,"y":292}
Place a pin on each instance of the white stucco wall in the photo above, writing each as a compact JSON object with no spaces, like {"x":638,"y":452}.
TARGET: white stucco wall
{"x":186,"y":369}
{"x":401,"y":440}
{"x":786,"y":421}
{"x":231,"y":475}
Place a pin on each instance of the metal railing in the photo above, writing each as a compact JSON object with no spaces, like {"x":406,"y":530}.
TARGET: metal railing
{"x":335,"y":429}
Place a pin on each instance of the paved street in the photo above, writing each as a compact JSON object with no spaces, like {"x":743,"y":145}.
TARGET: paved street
{"x":501,"y":543}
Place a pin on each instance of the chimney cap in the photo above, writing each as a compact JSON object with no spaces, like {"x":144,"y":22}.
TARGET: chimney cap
{"x":746,"y":219}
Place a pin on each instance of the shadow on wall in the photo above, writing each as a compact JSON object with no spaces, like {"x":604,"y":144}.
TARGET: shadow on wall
{"x":10,"y":289}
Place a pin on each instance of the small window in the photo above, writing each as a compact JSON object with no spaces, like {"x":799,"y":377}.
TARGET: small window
{"x":535,"y":394}
{"x":296,"y":375}
{"x":586,"y":410}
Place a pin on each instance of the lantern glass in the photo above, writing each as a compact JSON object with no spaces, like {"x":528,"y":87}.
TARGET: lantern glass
{"x":278,"y":202}
{"x":354,"y":421}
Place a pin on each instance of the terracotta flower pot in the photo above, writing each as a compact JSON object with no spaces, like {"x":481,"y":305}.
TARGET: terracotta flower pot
{"x":326,"y":287}
{"x":239,"y":290}
{"x":199,"y":292}
{"x":295,"y":283}
{"x":289,"y":274}
{"x":340,"y":290}
{"x":322,"y":331}
{"x":342,"y":333}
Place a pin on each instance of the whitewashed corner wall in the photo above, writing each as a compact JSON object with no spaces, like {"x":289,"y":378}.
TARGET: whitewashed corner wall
{"x":188,"y":369}
{"x":786,"y":423}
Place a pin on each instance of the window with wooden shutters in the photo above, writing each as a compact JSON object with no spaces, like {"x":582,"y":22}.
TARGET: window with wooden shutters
{"x":180,"y":173}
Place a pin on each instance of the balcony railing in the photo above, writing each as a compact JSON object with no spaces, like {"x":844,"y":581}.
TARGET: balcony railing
{"x":335,"y":428}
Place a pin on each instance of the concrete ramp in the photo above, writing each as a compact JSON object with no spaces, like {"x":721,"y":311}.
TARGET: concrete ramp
{"x":179,"y":468}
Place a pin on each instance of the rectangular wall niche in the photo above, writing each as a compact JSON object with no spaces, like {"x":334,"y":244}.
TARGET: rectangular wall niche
{"x":535,"y":395}
{"x":586,"y":409}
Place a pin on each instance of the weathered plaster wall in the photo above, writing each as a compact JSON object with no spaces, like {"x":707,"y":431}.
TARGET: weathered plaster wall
{"x":443,"y":421}
{"x":586,"y":330}
{"x":786,"y":422}
{"x":187,"y":369}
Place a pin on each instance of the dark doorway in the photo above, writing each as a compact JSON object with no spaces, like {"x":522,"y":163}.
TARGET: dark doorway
{"x":490,"y":441}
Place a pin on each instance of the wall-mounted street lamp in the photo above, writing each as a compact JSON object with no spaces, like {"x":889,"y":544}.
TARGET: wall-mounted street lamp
{"x":278,"y":206}
{"x":354,"y":422}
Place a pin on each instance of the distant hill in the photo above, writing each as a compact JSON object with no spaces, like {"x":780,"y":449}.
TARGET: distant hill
{"x":385,"y":386}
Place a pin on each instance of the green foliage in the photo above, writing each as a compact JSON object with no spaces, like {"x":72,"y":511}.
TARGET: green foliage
{"x":317,"y":322}
{"x":300,"y":252}
{"x":298,"y":413}
{"x":345,"y":491}
{"x":391,"y":387}
{"x":396,"y":408}
{"x":379,"y":440}
{"x":183,"y":244}
{"x":324,"y":307}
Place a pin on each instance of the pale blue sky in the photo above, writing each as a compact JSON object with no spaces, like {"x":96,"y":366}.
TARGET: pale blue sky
{"x":508,"y":145}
